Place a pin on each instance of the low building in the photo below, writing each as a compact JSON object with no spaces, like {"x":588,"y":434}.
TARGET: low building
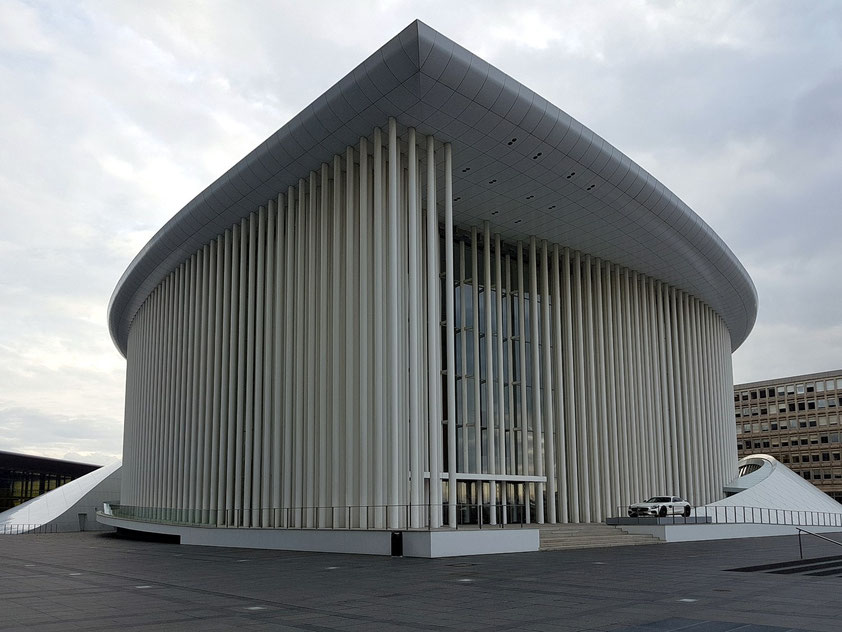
{"x":24,"y":476}
{"x":796,"y":420}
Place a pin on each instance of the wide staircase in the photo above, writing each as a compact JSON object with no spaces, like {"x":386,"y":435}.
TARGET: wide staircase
{"x":557,"y":537}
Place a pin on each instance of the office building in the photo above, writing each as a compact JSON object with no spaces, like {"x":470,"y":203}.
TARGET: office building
{"x":796,"y":420}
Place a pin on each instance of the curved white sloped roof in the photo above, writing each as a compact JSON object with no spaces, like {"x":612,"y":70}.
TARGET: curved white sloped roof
{"x":774,"y":486}
{"x":518,"y":161}
{"x":48,"y":507}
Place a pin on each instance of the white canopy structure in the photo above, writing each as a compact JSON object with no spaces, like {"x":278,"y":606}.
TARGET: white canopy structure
{"x":765,"y":482}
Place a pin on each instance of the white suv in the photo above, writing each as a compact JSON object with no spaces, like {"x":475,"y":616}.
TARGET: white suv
{"x":660,"y":506}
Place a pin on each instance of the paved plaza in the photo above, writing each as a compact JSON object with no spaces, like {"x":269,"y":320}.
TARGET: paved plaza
{"x":90,"y":581}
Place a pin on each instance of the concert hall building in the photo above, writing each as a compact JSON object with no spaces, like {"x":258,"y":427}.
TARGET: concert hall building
{"x":430,"y":299}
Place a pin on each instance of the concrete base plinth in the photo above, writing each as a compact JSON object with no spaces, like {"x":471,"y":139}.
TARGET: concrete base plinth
{"x":441,"y":543}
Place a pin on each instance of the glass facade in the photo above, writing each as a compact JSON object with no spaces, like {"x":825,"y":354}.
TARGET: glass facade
{"x":23,"y":477}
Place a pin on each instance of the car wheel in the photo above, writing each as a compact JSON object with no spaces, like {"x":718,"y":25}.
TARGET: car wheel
{"x":662,"y":512}
{"x":687,"y":511}
{"x":631,"y":514}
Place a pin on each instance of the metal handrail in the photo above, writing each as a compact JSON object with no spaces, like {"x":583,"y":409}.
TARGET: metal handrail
{"x":800,"y":547}
{"x":23,"y":529}
{"x":738,"y":514}
{"x":377,"y":517}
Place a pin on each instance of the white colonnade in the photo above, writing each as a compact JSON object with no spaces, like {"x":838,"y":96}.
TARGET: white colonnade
{"x":305,"y":368}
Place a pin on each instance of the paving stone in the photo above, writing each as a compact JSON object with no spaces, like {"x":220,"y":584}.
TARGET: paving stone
{"x":688,"y":587}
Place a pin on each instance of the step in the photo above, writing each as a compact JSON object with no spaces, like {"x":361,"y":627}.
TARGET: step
{"x":556,"y":537}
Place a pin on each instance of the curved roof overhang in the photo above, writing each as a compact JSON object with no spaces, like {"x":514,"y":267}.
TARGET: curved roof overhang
{"x":611,"y":208}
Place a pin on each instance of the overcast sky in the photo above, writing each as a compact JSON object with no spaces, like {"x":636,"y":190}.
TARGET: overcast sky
{"x":114,"y":115}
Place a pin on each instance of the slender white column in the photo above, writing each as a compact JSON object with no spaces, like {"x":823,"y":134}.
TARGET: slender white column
{"x":300,"y":358}
{"x":352,"y":462}
{"x":510,"y":358}
{"x":581,"y":433}
{"x":654,"y":384}
{"x":259,"y":420}
{"x":232,"y":264}
{"x":463,"y":341}
{"x":549,"y":454}
{"x":641,"y":437}
{"x":289,"y":369}
{"x":433,"y":337}
{"x":269,"y":334}
{"x":569,"y":371}
{"x":320,"y":388}
{"x":664,"y":400}
{"x":524,"y":411}
{"x":562,"y":509}
{"x":281,"y":338}
{"x":595,"y":437}
{"x":607,"y":493}
{"x":218,"y":384}
{"x":338,"y":406}
{"x":242,"y":319}
{"x":671,"y":372}
{"x":620,"y":317}
{"x":689,"y":449}
{"x":379,"y":376}
{"x":365,"y":349}
{"x":201,"y":385}
{"x":450,"y":332}
{"x":195,"y":308}
{"x":534,"y":338}
{"x":678,"y":389}
{"x":248,"y":441}
{"x":501,"y":396}
{"x":613,"y":412}
{"x":489,"y":374}
{"x":650,"y":430}
{"x":477,"y":373}
{"x":394,"y":499}
{"x":416,"y":479}
{"x":178,"y":404}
